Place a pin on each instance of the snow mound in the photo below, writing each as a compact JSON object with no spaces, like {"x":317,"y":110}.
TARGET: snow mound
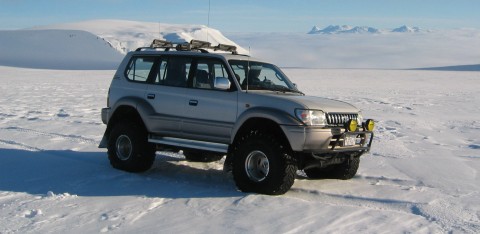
{"x":126,"y":35}
{"x":57,"y":49}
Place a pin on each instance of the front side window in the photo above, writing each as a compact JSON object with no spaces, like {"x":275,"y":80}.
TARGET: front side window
{"x":260,"y":76}
{"x":206,"y":72}
{"x":139,"y":68}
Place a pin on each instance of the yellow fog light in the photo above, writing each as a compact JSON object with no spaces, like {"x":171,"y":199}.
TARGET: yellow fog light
{"x":369,"y":125}
{"x":352,"y":125}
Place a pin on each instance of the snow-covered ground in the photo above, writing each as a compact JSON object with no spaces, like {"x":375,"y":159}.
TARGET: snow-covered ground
{"x":422,"y":175}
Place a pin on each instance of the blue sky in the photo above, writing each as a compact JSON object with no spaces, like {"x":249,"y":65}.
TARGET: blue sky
{"x":248,"y":15}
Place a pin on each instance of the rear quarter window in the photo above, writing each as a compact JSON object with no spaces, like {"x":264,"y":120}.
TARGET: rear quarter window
{"x":139,"y":69}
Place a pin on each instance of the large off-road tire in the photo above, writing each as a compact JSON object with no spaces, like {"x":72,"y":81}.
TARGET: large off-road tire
{"x":347,"y":169}
{"x":128,"y":148}
{"x":344,"y":171}
{"x":262,"y":164}
{"x":202,"y":156}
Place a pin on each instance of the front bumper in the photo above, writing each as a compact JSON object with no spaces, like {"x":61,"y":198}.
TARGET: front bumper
{"x":363,"y":142}
{"x":327,"y":140}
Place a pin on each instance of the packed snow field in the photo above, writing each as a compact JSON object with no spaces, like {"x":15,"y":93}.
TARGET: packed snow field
{"x":422,"y":175}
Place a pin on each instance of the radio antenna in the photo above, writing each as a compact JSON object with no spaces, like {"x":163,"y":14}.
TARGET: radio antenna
{"x":208,"y":18}
{"x":248,"y":69}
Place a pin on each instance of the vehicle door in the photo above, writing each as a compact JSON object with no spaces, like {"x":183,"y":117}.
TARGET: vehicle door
{"x":211,"y":112}
{"x":166,"y":94}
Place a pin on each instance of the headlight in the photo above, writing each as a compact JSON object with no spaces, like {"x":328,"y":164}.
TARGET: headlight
{"x":311,"y":117}
{"x":351,"y":125}
{"x":369,"y":125}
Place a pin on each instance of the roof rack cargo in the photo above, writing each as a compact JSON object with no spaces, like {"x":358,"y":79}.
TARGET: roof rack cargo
{"x":201,"y":46}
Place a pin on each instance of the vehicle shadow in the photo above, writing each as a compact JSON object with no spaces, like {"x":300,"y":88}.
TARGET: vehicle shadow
{"x":90,"y":174}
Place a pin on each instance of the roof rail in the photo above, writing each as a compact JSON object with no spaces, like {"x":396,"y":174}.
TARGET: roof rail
{"x":189,"y":46}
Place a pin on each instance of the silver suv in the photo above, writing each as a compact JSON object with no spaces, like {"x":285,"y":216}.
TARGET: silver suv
{"x":186,"y":96}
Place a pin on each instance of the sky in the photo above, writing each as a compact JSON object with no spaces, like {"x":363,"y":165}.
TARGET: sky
{"x":248,"y":15}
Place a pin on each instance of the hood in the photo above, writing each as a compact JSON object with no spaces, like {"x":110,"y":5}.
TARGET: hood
{"x":325,"y":104}
{"x":315,"y":103}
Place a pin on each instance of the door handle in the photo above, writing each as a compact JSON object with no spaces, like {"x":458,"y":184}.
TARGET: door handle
{"x":193,"y":102}
{"x":151,"y":96}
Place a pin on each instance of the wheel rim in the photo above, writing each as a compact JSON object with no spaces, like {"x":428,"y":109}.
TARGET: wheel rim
{"x":124,"y":147}
{"x":257,"y":166}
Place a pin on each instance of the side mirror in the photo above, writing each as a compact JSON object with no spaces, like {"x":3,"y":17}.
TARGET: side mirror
{"x":221,"y":83}
{"x":295,"y":85}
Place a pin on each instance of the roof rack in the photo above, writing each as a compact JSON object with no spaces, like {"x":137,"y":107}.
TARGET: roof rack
{"x":189,"y":46}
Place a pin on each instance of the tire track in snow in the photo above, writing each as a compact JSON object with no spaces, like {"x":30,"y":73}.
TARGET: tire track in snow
{"x":72,"y":138}
{"x":370,"y":203}
{"x":434,"y":212}
{"x":355,"y":201}
{"x":19,"y":145}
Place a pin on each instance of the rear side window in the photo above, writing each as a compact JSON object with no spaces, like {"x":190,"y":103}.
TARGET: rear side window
{"x":139,"y":68}
{"x":173,"y":71}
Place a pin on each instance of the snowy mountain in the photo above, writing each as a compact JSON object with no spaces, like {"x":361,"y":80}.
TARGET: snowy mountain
{"x":331,"y":29}
{"x":362,"y":29}
{"x":337,"y":29}
{"x":407,"y":29}
{"x":314,"y":30}
{"x":126,"y":35}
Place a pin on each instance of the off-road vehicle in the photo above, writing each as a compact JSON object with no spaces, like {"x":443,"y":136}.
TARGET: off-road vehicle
{"x":209,"y":101}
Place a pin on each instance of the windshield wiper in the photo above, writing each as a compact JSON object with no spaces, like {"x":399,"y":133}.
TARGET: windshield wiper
{"x":285,"y":89}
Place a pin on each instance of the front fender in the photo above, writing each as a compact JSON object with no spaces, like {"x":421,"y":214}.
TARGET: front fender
{"x":275,"y":115}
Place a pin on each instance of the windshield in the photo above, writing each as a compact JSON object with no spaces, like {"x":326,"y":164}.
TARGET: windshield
{"x":261,"y":76}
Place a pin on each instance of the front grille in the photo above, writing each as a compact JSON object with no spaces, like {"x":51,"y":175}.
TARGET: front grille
{"x":339,"y":119}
